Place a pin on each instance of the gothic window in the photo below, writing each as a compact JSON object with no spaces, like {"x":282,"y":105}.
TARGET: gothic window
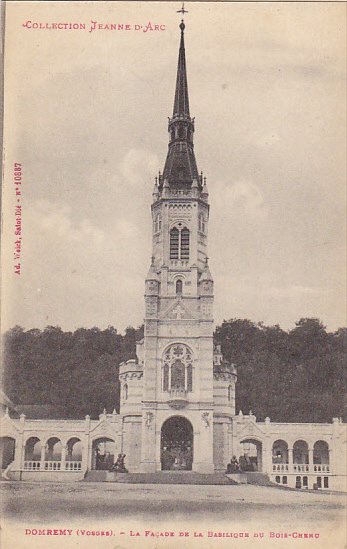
{"x":201,"y":223}
{"x":178,"y":375}
{"x":189,"y":376}
{"x":179,"y":287}
{"x":179,"y":243}
{"x":166,"y":370}
{"x":178,"y":369}
{"x":184,"y":244}
{"x":174,"y":243}
{"x":125,"y":391}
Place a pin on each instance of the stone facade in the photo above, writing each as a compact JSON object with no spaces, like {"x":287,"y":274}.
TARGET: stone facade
{"x":177,"y":400}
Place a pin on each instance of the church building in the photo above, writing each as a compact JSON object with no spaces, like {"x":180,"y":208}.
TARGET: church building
{"x":177,"y":401}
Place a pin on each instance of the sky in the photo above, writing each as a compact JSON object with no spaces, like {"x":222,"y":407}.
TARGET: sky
{"x":86,"y":117}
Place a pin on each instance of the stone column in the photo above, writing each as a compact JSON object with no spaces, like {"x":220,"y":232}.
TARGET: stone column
{"x":85,"y":465}
{"x":18,"y":461}
{"x":290,"y":460}
{"x":63,"y":458}
{"x":266,"y":465}
{"x":42,"y":458}
{"x":310,"y":459}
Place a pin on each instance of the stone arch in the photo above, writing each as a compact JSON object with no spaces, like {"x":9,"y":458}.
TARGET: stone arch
{"x":7,"y":451}
{"x":280,"y":453}
{"x":74,"y":449}
{"x":252,"y":457}
{"x":177,"y":444}
{"x":300,"y":452}
{"x":321,"y":452}
{"x":32,"y":449}
{"x":179,"y":223}
{"x":53,"y":450}
{"x":103,"y":453}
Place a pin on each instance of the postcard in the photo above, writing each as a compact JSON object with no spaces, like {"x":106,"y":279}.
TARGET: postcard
{"x":173,"y":275}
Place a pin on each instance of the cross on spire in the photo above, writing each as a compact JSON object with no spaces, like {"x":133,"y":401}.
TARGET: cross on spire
{"x":182,"y":10}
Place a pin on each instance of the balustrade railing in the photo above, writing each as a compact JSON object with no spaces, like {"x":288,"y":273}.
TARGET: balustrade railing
{"x":301,"y":468}
{"x":321,"y":468}
{"x":279,"y":467}
{"x":178,"y":393}
{"x":52,"y":466}
{"x":32,"y":465}
{"x":73,"y":465}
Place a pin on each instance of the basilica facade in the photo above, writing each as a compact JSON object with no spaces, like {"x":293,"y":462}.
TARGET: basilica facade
{"x":177,"y":401}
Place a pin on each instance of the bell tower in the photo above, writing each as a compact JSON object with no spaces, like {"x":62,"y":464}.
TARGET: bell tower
{"x":177,"y":400}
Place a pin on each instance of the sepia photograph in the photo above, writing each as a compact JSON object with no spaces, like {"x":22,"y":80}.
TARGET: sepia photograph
{"x":173,"y":275}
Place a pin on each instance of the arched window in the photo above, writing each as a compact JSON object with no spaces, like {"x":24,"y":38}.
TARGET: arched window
{"x":189,"y":376}
{"x":125,"y":391}
{"x":179,"y":286}
{"x":179,"y":243}
{"x":184,"y":244}
{"x":201,"y":223}
{"x":166,"y":370}
{"x":174,"y":243}
{"x":178,"y":375}
{"x":178,"y":368}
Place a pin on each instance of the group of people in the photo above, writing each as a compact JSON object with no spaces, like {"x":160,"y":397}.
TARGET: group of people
{"x":245,"y":464}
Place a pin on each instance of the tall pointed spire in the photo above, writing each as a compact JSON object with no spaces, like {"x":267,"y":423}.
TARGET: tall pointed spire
{"x":180,"y":167}
{"x":181,"y":103}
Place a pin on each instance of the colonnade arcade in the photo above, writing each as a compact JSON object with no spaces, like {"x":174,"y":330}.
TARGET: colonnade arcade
{"x":301,"y":456}
{"x":52,"y":455}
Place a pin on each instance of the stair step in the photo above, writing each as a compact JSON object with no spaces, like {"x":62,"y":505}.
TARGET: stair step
{"x":256,"y":478}
{"x":96,"y":476}
{"x":175,"y":478}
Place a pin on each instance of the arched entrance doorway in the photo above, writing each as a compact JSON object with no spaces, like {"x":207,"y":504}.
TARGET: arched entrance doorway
{"x":177,"y":444}
{"x":251,"y":458}
{"x":104,"y":450}
{"x":7,"y":449}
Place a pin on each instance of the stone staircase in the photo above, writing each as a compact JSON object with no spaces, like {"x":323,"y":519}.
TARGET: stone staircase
{"x":256,"y":478}
{"x":96,"y":476}
{"x":161,"y":477}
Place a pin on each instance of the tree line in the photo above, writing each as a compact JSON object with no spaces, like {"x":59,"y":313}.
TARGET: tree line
{"x":296,"y":375}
